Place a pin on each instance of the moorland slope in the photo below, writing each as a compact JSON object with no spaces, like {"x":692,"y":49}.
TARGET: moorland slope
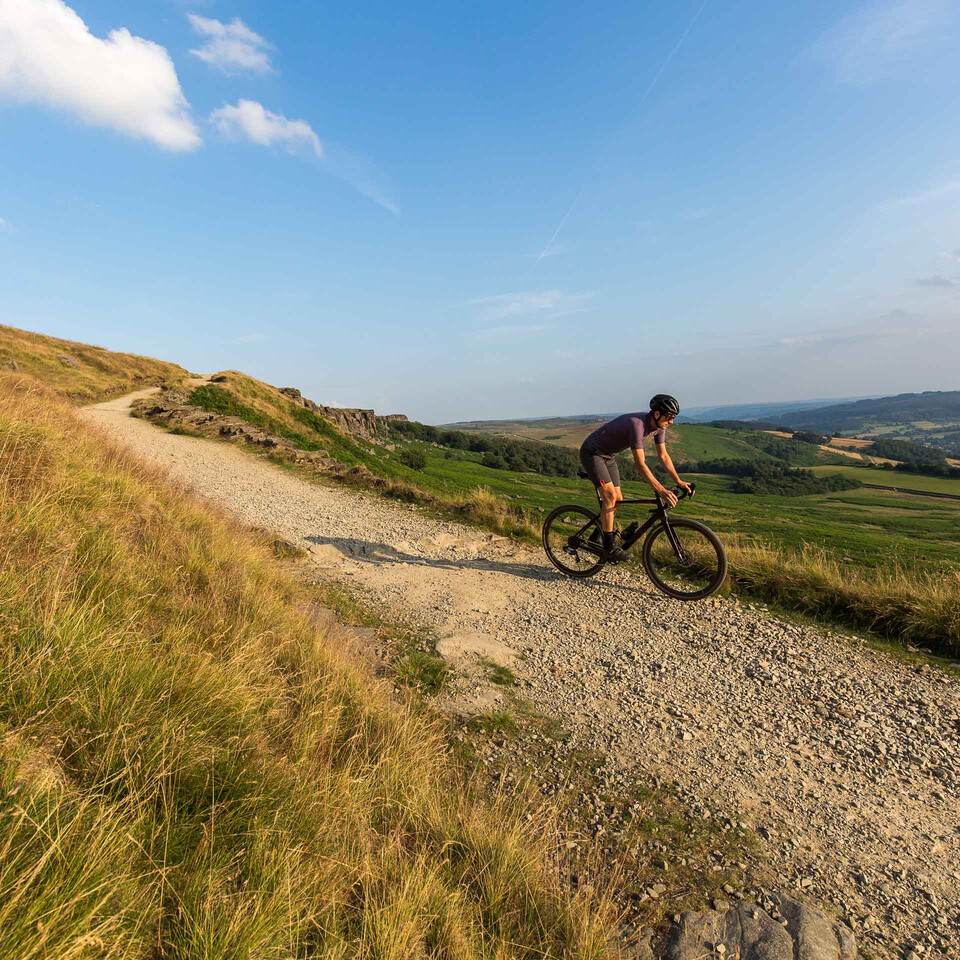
{"x":192,"y":767}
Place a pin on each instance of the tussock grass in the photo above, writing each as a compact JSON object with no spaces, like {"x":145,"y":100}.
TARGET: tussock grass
{"x":190,"y":769}
{"x":906,"y":603}
{"x":99,"y":373}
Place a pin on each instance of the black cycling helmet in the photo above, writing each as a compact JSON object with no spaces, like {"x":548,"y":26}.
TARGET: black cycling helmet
{"x":665,"y":404}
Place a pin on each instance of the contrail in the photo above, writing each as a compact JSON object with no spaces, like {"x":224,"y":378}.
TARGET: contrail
{"x":653,"y":83}
{"x":673,"y":52}
{"x":556,"y":232}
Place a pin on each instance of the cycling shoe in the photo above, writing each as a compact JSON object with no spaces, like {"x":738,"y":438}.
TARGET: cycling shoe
{"x":617,"y":555}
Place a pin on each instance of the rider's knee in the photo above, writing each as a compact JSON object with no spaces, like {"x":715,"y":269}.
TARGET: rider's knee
{"x":608,"y":495}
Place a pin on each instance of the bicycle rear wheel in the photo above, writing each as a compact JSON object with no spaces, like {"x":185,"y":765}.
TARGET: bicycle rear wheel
{"x":692,"y":568}
{"x":573,"y":542}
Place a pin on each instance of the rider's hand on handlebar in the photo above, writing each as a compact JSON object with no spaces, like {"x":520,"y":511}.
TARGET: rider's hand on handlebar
{"x":686,"y":487}
{"x":669,"y":496}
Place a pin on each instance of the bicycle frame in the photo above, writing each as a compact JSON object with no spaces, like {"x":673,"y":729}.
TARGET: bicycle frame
{"x":658,"y":514}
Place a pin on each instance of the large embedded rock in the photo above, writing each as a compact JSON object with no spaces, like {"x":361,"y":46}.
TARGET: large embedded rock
{"x":780,"y":929}
{"x":69,"y":361}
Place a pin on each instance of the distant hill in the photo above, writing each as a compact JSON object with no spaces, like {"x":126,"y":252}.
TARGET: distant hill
{"x":933,"y":407}
{"x":758,"y":411}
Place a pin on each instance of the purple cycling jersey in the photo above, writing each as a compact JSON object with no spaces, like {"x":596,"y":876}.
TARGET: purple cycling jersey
{"x":627,"y":431}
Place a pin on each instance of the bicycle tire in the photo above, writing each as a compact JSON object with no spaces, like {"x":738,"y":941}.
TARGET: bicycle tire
{"x":710,"y":569}
{"x":556,"y":532}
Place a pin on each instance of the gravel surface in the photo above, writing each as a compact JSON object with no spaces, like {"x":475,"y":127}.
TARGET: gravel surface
{"x":846,"y":760}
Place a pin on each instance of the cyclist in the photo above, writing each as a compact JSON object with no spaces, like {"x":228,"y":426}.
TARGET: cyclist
{"x":598,"y":454}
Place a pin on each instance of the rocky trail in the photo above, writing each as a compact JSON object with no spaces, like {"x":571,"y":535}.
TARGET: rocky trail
{"x":844,"y":759}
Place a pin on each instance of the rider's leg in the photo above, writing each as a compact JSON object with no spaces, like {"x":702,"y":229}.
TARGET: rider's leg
{"x":608,"y":505}
{"x":610,"y":497}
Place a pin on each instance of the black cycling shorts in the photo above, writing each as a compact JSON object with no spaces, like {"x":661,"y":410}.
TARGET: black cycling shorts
{"x":600,"y":468}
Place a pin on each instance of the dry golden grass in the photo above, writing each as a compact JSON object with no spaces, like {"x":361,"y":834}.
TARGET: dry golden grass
{"x":100,"y":373}
{"x":191,"y":769}
{"x":894,"y":601}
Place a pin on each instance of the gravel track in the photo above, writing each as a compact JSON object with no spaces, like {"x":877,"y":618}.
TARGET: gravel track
{"x":846,"y":760}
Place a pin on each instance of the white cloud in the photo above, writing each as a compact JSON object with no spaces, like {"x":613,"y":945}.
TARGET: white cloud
{"x":5,"y":225}
{"x":248,"y":119}
{"x":231,"y":47}
{"x":937,"y":280}
{"x":866,"y":45}
{"x":125,"y":83}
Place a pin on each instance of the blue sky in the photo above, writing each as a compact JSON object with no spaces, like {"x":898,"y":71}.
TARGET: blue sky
{"x":459,"y":211}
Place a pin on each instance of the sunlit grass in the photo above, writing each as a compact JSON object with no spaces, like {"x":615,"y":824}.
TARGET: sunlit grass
{"x":190,"y":769}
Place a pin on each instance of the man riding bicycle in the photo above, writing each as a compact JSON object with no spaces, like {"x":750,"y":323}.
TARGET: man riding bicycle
{"x":599,"y":451}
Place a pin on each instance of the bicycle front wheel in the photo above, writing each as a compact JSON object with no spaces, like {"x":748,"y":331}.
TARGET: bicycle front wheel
{"x":690,"y":565}
{"x":573,"y":542}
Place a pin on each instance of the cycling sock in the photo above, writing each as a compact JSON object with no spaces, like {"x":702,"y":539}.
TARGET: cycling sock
{"x":607,"y":541}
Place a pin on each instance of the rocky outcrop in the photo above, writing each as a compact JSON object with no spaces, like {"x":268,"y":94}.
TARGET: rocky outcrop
{"x":9,"y":365}
{"x":170,"y":407}
{"x":69,"y":361}
{"x":777,"y":928}
{"x":359,"y":422}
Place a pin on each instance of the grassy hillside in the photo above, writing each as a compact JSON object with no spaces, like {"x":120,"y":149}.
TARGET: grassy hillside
{"x":190,"y":769}
{"x":95,"y":373}
{"x":686,"y":441}
{"x":931,"y":418}
{"x":897,"y":478}
{"x":863,"y":416}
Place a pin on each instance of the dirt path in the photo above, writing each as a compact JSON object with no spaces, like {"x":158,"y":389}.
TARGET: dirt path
{"x":845,"y":759}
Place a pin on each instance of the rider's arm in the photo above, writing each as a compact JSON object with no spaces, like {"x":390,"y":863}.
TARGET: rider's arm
{"x":667,"y":464}
{"x":641,"y":464}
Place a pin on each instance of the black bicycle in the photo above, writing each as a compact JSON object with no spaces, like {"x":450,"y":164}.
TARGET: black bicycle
{"x":682,"y":557}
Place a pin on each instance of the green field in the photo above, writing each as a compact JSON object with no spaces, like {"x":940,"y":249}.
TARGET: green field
{"x":872,"y":527}
{"x":896,"y":478}
{"x":686,"y":442}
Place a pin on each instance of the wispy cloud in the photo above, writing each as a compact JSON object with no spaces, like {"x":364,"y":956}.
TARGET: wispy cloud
{"x":5,"y":226}
{"x":934,"y":193}
{"x":866,"y":45}
{"x":231,"y":47}
{"x":362,"y":174}
{"x":510,"y":332}
{"x":937,"y":280}
{"x":124,"y":83}
{"x":248,"y":119}
{"x":533,"y":303}
{"x":955,"y":256}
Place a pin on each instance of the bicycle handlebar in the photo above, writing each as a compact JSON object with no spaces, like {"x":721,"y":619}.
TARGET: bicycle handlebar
{"x":680,"y":493}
